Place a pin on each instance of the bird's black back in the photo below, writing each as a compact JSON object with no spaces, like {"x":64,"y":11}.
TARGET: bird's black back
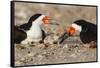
{"x":19,"y":35}
{"x":27,"y":26}
{"x":89,"y":31}
{"x":85,"y":24}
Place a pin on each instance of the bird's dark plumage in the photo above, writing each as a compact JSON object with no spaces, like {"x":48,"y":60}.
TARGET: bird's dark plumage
{"x":19,"y":35}
{"x":43,"y":34}
{"x":27,"y":26}
{"x":89,"y":31}
{"x":22,"y":31}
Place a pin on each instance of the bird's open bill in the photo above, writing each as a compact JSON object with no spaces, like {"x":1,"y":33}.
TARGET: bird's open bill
{"x":71,"y":31}
{"x":46,"y":22}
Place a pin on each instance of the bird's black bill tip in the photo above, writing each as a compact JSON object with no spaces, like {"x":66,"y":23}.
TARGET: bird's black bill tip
{"x":63,"y":37}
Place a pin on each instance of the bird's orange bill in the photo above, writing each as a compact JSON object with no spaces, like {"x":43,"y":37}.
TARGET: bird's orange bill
{"x":71,"y":31}
{"x":45,"y":20}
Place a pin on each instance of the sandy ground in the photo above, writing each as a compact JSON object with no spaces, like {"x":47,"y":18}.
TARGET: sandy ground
{"x":50,"y":53}
{"x":53,"y":54}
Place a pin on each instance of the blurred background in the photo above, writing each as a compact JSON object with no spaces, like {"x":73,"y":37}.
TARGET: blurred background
{"x":63,"y":14}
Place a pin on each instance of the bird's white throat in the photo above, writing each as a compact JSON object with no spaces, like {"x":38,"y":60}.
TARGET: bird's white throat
{"x":77,"y":27}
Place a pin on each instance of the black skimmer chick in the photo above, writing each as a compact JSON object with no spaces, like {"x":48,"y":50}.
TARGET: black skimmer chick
{"x":31,"y":31}
{"x":87,"y":30}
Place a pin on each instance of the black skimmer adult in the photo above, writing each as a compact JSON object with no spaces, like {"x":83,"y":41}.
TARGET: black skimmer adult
{"x":31,"y":31}
{"x":87,"y":30}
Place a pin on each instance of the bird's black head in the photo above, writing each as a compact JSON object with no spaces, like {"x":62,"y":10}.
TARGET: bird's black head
{"x":85,"y":25}
{"x":40,"y":19}
{"x":78,"y":25}
{"x":34,"y":17}
{"x":80,"y":22}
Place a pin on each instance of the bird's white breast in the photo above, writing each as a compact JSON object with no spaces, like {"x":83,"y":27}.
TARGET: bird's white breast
{"x":35,"y":32}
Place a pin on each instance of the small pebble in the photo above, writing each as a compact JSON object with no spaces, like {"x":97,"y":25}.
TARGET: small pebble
{"x":65,"y":46}
{"x":18,"y":62}
{"x":29,"y":52}
{"x":40,"y":56}
{"x":41,"y":46}
{"x":30,"y":55}
{"x":22,"y":59}
{"x":73,"y":55}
